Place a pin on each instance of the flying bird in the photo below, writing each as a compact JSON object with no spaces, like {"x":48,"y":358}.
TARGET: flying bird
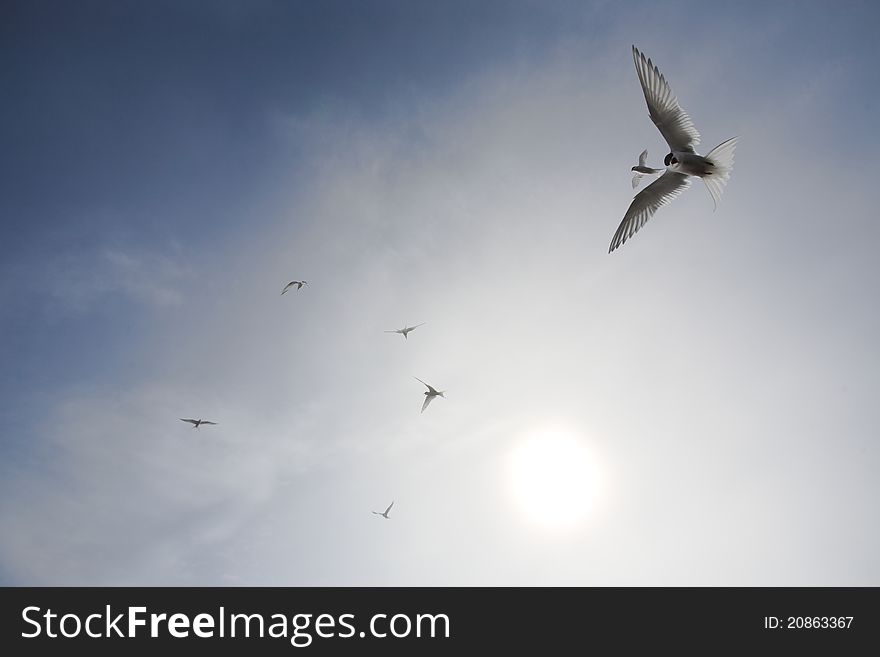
{"x":196,"y":423}
{"x":681,"y":162}
{"x":430,"y":393}
{"x":298,"y":284}
{"x":642,"y":170}
{"x":384,"y":514}
{"x":406,"y":329}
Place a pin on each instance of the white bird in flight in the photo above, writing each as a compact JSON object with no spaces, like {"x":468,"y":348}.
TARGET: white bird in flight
{"x":196,"y":423}
{"x":298,"y":284}
{"x":384,"y":514}
{"x":430,"y":393}
{"x":642,"y":170}
{"x":681,"y":162}
{"x":406,"y":329}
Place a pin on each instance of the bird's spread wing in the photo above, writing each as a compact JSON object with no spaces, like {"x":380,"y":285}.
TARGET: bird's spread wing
{"x":418,"y":325}
{"x":206,"y":422}
{"x":673,"y":122}
{"x":427,"y":401}
{"x":424,"y":384}
{"x":636,"y":178}
{"x":643,"y":158}
{"x":183,"y":419}
{"x":286,"y":288}
{"x":389,"y":507}
{"x":645,"y":204}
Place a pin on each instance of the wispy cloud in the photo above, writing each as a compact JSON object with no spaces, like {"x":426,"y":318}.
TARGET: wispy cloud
{"x":81,"y":280}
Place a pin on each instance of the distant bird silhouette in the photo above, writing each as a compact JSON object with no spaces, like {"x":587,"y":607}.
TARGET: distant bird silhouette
{"x":298,"y":284}
{"x":682,"y":162}
{"x":384,"y":514}
{"x":196,"y":423}
{"x":430,"y":393}
{"x":641,"y":170}
{"x":406,"y":329}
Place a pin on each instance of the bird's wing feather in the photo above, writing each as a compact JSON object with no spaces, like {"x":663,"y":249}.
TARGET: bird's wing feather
{"x":184,"y":419}
{"x":427,"y":401}
{"x":207,"y":422}
{"x":636,"y":178}
{"x":389,"y":507}
{"x":432,"y":390}
{"x":643,"y":158}
{"x":646,"y":202}
{"x":673,"y":122}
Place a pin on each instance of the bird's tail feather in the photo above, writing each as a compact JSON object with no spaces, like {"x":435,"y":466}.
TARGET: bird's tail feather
{"x":721,"y":158}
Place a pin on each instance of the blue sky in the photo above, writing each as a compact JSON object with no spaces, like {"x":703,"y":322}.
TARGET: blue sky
{"x":167,"y":167}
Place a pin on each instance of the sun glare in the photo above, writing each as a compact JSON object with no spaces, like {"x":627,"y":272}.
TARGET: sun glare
{"x":554,"y":478}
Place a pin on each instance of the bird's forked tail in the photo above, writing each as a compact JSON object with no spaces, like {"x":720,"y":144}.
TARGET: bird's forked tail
{"x":721,"y":158}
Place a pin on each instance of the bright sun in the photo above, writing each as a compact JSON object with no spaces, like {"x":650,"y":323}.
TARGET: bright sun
{"x":554,"y":478}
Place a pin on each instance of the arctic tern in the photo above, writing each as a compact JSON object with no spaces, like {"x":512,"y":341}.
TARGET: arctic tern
{"x":430,"y":393}
{"x":681,"y":162}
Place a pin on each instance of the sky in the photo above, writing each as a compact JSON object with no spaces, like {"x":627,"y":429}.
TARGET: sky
{"x":694,"y":409}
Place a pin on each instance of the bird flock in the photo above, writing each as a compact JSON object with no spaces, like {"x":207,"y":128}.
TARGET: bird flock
{"x":682,"y":162}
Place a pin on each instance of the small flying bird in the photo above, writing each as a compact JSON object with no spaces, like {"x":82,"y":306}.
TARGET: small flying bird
{"x":406,"y":329}
{"x":298,"y":284}
{"x":196,"y":423}
{"x":641,"y":170}
{"x":681,"y":162}
{"x":384,"y":514}
{"x":430,"y":393}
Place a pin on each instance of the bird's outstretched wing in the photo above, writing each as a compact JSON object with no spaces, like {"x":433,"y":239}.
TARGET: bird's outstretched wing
{"x":427,"y":401}
{"x":643,"y":158}
{"x":418,"y":325}
{"x":206,"y":422}
{"x":426,"y":385}
{"x":636,"y":178}
{"x":288,"y":286}
{"x":646,"y":202}
{"x":673,"y":122}
{"x":185,"y":419}
{"x":389,"y":508}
